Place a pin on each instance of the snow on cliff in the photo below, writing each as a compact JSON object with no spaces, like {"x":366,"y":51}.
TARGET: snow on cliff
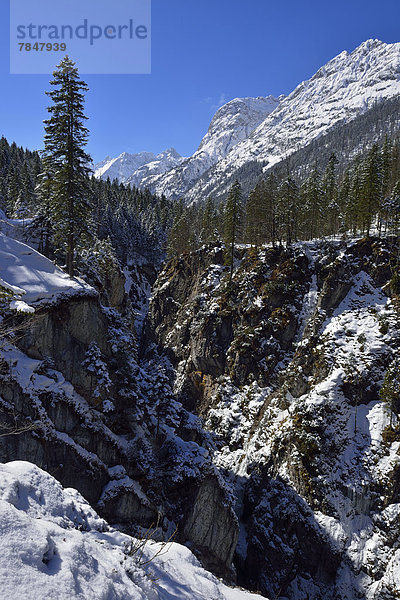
{"x":170,"y":173}
{"x":231,"y":124}
{"x":122,"y":166}
{"x":54,"y":546}
{"x":163,"y":162}
{"x":32,"y":278}
{"x":268,"y":129}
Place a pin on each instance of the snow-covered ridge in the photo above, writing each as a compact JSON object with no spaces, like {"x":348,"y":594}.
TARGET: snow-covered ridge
{"x":162,"y":162}
{"x":347,"y":86}
{"x":33,"y":279}
{"x":54,"y":545}
{"x":132,"y":168}
{"x":267,"y":129}
{"x":170,"y":173}
{"x":122,"y":166}
{"x":231,"y":124}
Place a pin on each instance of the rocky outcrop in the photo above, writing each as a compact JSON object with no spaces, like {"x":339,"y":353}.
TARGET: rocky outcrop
{"x":63,"y":332}
{"x":212,"y":528}
{"x":130,"y":449}
{"x":283,"y":363}
{"x":243,"y":330}
{"x":51,"y":449}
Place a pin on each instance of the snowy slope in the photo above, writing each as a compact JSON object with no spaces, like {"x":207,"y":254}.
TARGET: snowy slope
{"x":345,"y":87}
{"x":54,"y":546}
{"x":32,"y":278}
{"x":267,"y":129}
{"x":133,"y":168}
{"x":352,"y":454}
{"x":231,"y":124}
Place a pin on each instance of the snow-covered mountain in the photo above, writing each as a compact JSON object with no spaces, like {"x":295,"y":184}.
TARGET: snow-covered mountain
{"x":347,"y":86}
{"x":267,"y":129}
{"x":169,"y":172}
{"x":231,"y":124}
{"x":133,"y":168}
{"x":123,"y":166}
{"x":162,"y":163}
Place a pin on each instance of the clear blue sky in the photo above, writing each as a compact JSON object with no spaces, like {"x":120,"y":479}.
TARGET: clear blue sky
{"x":204,"y":53}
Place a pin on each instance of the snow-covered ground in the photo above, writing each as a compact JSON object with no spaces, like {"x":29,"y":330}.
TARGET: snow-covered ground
{"x":32,"y":278}
{"x":54,"y":546}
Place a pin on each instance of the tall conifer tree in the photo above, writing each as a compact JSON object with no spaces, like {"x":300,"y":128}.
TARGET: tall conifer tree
{"x":65,"y":140}
{"x":233,"y":222}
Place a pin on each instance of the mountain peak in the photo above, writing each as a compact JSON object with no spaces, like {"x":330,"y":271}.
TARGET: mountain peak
{"x":341,"y":90}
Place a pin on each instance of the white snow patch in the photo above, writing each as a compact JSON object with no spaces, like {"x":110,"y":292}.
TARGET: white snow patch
{"x":55,"y":547}
{"x":28,"y":273}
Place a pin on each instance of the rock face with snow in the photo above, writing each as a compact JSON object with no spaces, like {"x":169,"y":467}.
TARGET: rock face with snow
{"x":163,"y":162}
{"x":122,"y":166}
{"x":339,"y":91}
{"x":75,"y":401}
{"x":252,"y":419}
{"x":285,"y":364}
{"x":269,"y":129}
{"x":169,"y":173}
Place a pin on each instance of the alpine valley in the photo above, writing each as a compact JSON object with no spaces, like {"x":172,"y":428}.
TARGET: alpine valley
{"x":208,"y":406}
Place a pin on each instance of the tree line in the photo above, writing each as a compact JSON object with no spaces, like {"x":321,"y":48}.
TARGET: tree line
{"x":284,"y":209}
{"x":19,"y":169}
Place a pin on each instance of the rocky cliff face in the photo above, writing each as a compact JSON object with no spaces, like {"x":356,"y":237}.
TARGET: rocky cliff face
{"x":284,"y":364}
{"x":74,"y":400}
{"x":341,"y":90}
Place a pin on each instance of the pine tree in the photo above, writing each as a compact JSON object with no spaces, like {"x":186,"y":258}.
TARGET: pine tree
{"x":355,"y":200}
{"x":387,"y":158}
{"x":254,"y":216}
{"x":180,"y":233}
{"x":65,"y":139}
{"x":392,"y":211}
{"x":371,"y":187}
{"x":270,"y":205}
{"x":330,"y":197}
{"x":209,"y":222}
{"x":42,"y":222}
{"x":311,"y":204}
{"x":233,"y":222}
{"x":288,"y":206}
{"x":13,"y":189}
